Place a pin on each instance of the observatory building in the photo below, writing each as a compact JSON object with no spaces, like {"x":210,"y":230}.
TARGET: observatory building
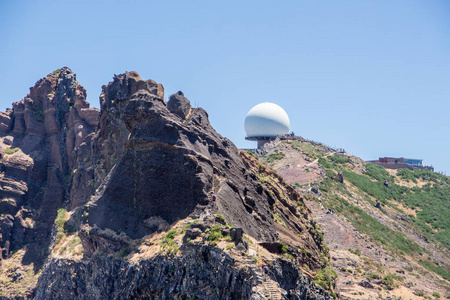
{"x":265,"y":122}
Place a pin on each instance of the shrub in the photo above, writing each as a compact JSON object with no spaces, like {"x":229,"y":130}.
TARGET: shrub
{"x":169,"y":244}
{"x":221,"y":217}
{"x":59,"y":225}
{"x":356,"y":252}
{"x":436,"y":295}
{"x":171,"y":234}
{"x":376,"y":172}
{"x":124,"y":252}
{"x":275,"y":156}
{"x":339,"y":159}
{"x":280,"y":220}
{"x":10,"y":150}
{"x":388,"y":280}
{"x":284,"y":248}
{"x":325,"y":277}
{"x":324,"y":163}
{"x":444,"y":272}
{"x":215,"y":234}
{"x":250,"y":152}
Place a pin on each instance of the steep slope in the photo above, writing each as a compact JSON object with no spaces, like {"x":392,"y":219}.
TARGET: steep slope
{"x":40,"y":137}
{"x":388,"y":229}
{"x":134,"y":213}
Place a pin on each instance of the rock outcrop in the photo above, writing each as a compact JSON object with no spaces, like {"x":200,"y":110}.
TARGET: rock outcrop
{"x":162,"y":205}
{"x":40,"y":137}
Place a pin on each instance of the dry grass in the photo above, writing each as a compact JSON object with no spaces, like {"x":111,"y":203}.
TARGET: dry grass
{"x":17,"y":279}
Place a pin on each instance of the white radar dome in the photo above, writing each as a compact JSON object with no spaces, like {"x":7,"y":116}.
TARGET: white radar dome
{"x":266,"y":120}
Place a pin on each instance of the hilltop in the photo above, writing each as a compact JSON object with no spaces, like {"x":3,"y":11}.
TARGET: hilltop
{"x":388,"y":230}
{"x":118,"y":203}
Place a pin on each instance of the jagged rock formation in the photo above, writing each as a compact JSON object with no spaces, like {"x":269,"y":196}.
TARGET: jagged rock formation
{"x":40,"y":137}
{"x":144,"y":176}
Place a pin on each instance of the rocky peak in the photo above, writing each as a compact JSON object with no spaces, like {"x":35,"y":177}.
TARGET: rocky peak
{"x":39,"y":138}
{"x":147,"y":167}
{"x":179,"y":105}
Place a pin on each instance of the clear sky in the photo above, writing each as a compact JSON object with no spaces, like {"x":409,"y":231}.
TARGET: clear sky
{"x":372,"y":77}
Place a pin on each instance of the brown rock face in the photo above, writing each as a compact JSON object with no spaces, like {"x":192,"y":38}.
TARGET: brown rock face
{"x":40,"y":138}
{"x":179,"y":105}
{"x":135,"y":168}
{"x":171,"y":162}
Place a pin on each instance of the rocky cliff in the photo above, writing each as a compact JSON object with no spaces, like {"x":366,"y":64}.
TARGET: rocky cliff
{"x":40,"y":137}
{"x":147,"y":201}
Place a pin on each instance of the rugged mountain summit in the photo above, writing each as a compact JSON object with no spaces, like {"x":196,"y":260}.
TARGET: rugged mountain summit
{"x":133,"y":185}
{"x":40,"y":137}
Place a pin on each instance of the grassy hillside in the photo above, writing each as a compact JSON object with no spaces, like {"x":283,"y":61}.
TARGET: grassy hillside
{"x":406,"y":213}
{"x":431,"y":204}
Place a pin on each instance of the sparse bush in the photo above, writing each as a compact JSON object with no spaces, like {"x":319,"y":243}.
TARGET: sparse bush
{"x":168,"y":244}
{"x":275,"y":156}
{"x":444,"y":272}
{"x":339,"y":159}
{"x":373,"y":276}
{"x":215,"y":234}
{"x":10,"y":150}
{"x":356,"y":251}
{"x":250,"y":152}
{"x":284,"y":248}
{"x":59,"y":225}
{"x":280,"y":220}
{"x":221,"y":217}
{"x":124,"y":252}
{"x":325,"y":277}
{"x":419,"y":293}
{"x":171,"y":234}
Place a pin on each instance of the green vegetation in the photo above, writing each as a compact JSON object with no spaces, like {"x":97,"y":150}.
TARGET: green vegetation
{"x":55,"y":73}
{"x":250,"y":152}
{"x":356,"y":252}
{"x":275,"y":156}
{"x":229,"y":246}
{"x":171,"y":234}
{"x":325,"y":277}
{"x":376,"y":172}
{"x":390,"y":280}
{"x":436,"y":295}
{"x":124,"y":252}
{"x":215,"y":234}
{"x":324,"y":163}
{"x":187,"y":226}
{"x":221,"y":217}
{"x":10,"y":150}
{"x":393,"y":240}
{"x":284,"y":248}
{"x":308,"y":149}
{"x":339,"y":159}
{"x":434,"y":267}
{"x":60,"y":221}
{"x":39,"y":114}
{"x":373,"y":276}
{"x":280,"y":220}
{"x":168,"y":244}
{"x":430,"y":203}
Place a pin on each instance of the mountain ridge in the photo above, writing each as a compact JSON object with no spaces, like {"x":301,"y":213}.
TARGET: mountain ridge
{"x":136,"y":198}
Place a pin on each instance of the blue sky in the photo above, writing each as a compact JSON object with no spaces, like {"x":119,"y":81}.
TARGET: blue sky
{"x":372,"y":77}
